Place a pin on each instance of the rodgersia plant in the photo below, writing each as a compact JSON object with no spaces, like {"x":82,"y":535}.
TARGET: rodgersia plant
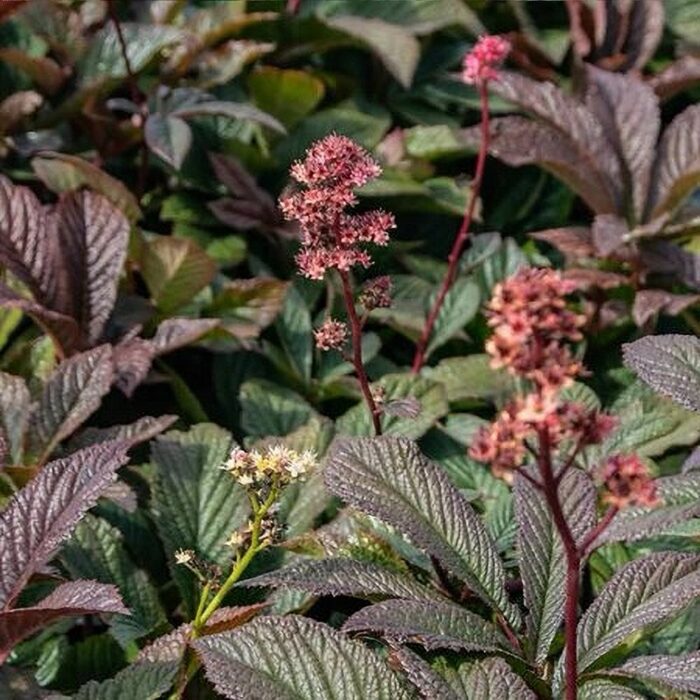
{"x":332,"y":238}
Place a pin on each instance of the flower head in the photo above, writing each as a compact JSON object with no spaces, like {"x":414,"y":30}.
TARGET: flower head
{"x":332,"y":335}
{"x":184,"y":556}
{"x":627,"y":482}
{"x":275,"y":466}
{"x":330,"y":236}
{"x":481,"y":63}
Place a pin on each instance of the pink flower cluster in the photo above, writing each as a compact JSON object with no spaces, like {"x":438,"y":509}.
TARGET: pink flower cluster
{"x":331,"y":335}
{"x":481,"y":63}
{"x":627,"y":482}
{"x":331,"y":237}
{"x":530,"y":320}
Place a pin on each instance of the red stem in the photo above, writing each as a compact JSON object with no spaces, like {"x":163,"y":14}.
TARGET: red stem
{"x":573,"y":563}
{"x":462,"y":234}
{"x":133,"y":84}
{"x":356,"y":335}
{"x":595,"y":532}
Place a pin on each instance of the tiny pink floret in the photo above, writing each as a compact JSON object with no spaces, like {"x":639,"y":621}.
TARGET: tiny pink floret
{"x":482,"y":62}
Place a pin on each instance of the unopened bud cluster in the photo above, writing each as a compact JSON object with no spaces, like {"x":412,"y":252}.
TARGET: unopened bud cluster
{"x":482,"y":62}
{"x":269,"y":532}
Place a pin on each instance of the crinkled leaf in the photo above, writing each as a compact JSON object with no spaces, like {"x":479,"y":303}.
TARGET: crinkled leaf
{"x":677,"y":171}
{"x":15,"y":406}
{"x":643,"y":594}
{"x":43,"y":513}
{"x":145,"y":681}
{"x":629,"y":112}
{"x":169,"y":138}
{"x":292,"y":658}
{"x":669,"y":364}
{"x":67,"y":599}
{"x":600,"y":689}
{"x":347,"y":577}
{"x":73,"y":392}
{"x":680,"y":672}
{"x":93,"y":236}
{"x":132,"y":433}
{"x":175,"y":269}
{"x":542,"y":559}
{"x":196,"y":504}
{"x":270,"y":409}
{"x":96,"y":551}
{"x":429,"y":394}
{"x":390,"y":479}
{"x":649,"y":303}
{"x":433,"y":625}
{"x":62,"y":172}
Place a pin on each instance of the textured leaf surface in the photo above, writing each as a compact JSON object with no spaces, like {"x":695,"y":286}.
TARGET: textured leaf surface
{"x":169,"y":137}
{"x":197,"y":505}
{"x":429,"y":395}
{"x":96,"y":551}
{"x":133,"y":433}
{"x":433,"y":625}
{"x":644,"y":593}
{"x":144,"y":681}
{"x":14,"y":413}
{"x":680,"y":672}
{"x":345,"y":577}
{"x":43,"y":513}
{"x":72,"y":393}
{"x":677,"y":171}
{"x":72,"y":598}
{"x":600,"y":689}
{"x":542,"y":559}
{"x":669,"y":364}
{"x":469,"y":378}
{"x":390,"y":479}
{"x":292,"y":658}
{"x":270,"y":409}
{"x":175,"y":333}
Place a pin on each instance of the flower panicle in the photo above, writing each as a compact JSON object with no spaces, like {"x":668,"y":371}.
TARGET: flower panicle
{"x":481,"y":64}
{"x":275,"y":466}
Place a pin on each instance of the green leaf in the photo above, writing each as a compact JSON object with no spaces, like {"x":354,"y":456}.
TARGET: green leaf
{"x":542,"y":559}
{"x":289,"y":95}
{"x":270,"y":409}
{"x":196,"y":504}
{"x":61,"y":172}
{"x":72,"y":393}
{"x":15,"y":405}
{"x":169,"y":138}
{"x":435,"y":142}
{"x":683,"y":18}
{"x":390,"y":479}
{"x":433,"y":625}
{"x":641,"y":596}
{"x":346,"y":577}
{"x":295,"y":331}
{"x":175,"y":269}
{"x":144,"y":681}
{"x":469,"y":378}
{"x":429,"y":394}
{"x":459,"y":307}
{"x":310,"y":661}
{"x":104,"y":58}
{"x":96,"y":551}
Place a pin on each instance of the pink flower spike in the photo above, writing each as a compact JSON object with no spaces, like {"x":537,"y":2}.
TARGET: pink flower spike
{"x":481,"y":63}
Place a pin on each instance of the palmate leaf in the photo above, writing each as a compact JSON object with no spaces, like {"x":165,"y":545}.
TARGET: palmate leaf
{"x":145,"y":681}
{"x":670,"y":673}
{"x":390,"y":479}
{"x":96,"y":551}
{"x":93,"y":236}
{"x":43,"y":513}
{"x":293,"y":658}
{"x":488,"y":679}
{"x":67,"y":599}
{"x":542,"y":559}
{"x":345,"y":577}
{"x":196,"y":504}
{"x":643,"y":594}
{"x":433,"y":625}
{"x":669,"y":364}
{"x":629,"y":112}
{"x":73,"y":392}
{"x":677,"y":169}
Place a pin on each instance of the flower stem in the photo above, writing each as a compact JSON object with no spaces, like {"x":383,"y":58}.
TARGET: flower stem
{"x":356,"y":336}
{"x":462,"y":234}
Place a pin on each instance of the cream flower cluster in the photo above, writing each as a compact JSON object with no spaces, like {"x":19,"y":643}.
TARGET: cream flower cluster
{"x":277,"y":465}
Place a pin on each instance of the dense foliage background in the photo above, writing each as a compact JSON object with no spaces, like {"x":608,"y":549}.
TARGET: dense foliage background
{"x":149,"y":285}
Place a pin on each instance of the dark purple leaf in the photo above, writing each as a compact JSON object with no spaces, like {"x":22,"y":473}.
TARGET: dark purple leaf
{"x":628,"y":110}
{"x":679,"y":76}
{"x":132,"y":434}
{"x":651,"y":302}
{"x":608,"y":233}
{"x":93,"y":236}
{"x":132,"y":359}
{"x":68,"y":599}
{"x":681,"y":672}
{"x":677,"y":170}
{"x":44,"y":512}
{"x":241,"y":214}
{"x":587,"y":278}
{"x":72,"y":393}
{"x":169,"y":138}
{"x":433,"y":625}
{"x":574,"y":242}
{"x":175,"y":333}
{"x":238,"y":181}
{"x":666,"y":258}
{"x":231,"y":110}
{"x":644,"y":26}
